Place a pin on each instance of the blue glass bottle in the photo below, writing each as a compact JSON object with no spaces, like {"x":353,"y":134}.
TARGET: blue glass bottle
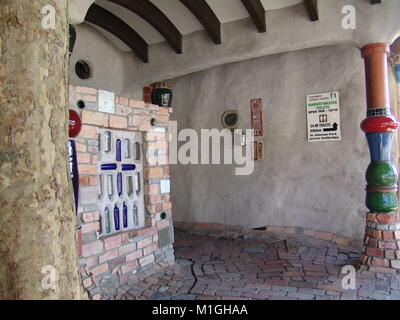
{"x":135,"y":215}
{"x":125,"y":216}
{"x":119,"y":183}
{"x":107,"y":220}
{"x":118,"y":150}
{"x":116,"y":218}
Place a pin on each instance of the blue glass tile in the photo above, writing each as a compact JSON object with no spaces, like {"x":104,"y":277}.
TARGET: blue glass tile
{"x":107,"y":220}
{"x":116,"y":218}
{"x":119,"y":183}
{"x":128,"y":167}
{"x":108,"y":166}
{"x":135,"y":215}
{"x":125,"y":216}
{"x":118,"y":150}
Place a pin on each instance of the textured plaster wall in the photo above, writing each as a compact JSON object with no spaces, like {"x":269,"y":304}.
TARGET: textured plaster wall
{"x":107,"y":63}
{"x":314,"y":185}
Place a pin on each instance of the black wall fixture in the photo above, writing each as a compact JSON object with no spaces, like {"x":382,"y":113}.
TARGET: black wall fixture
{"x":82,"y":70}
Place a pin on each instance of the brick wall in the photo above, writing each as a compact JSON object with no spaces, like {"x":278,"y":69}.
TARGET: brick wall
{"x":121,"y":255}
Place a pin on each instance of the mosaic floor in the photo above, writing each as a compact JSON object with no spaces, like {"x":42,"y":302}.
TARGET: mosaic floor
{"x":217,"y":269}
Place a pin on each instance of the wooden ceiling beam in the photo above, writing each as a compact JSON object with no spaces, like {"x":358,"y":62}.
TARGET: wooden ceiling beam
{"x":202,"y":11}
{"x":108,"y":21}
{"x":312,"y":9}
{"x":257,"y":13}
{"x":154,"y":16}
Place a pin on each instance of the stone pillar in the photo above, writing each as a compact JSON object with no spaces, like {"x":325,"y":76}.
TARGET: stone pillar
{"x":381,"y":251}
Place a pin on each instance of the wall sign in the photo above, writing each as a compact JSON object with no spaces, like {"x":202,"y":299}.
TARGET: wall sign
{"x":106,"y":101}
{"x":256,"y":117}
{"x":323,"y":117}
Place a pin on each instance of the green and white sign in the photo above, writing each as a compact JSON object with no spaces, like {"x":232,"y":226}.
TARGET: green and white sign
{"x":323,"y":117}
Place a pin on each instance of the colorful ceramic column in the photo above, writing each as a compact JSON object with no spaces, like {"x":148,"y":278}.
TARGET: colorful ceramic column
{"x":381,"y":242}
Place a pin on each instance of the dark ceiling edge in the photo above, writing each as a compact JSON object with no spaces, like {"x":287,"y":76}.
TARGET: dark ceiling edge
{"x":376,"y":1}
{"x":155,"y":17}
{"x":312,"y":9}
{"x":108,"y":21}
{"x":257,"y":13}
{"x":202,"y":11}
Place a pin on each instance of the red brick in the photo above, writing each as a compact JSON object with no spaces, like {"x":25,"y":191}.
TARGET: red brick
{"x":134,"y":255}
{"x":116,"y":262}
{"x":90,"y":216}
{"x":91,"y":227}
{"x":127,"y":248}
{"x":136,"y":103}
{"x":118,"y":122}
{"x":167,"y":206}
{"x":144,"y":243}
{"x":377,"y":234}
{"x":146,"y":260}
{"x":95,"y":118}
{"x":87,"y":169}
{"x":153,"y":173}
{"x":390,"y":254}
{"x":395,"y":264}
{"x":151,"y":189}
{"x":122,"y":110}
{"x":87,"y":283}
{"x":162,"y":224}
{"x":123,"y":100}
{"x":153,"y":247}
{"x":92,"y":248}
{"x":341,"y":241}
{"x":387,"y":245}
{"x":83,"y":157}
{"x":80,"y":147}
{"x":374,"y":252}
{"x":93,"y":181}
{"x":154,"y":199}
{"x":84,"y":181}
{"x":88,"y":132}
{"x":319,"y":235}
{"x":129,"y":267}
{"x":397,"y":235}
{"x":108,"y":256}
{"x":380,"y":262}
{"x":385,"y":218}
{"x":112,"y":242}
{"x":86,"y":90}
{"x":99,"y":269}
{"x":388,"y":235}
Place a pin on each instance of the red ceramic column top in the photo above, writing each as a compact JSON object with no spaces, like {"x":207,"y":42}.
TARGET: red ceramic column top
{"x":375,"y":56}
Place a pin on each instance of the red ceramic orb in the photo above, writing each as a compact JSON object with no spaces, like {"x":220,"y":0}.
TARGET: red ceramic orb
{"x":379,"y":124}
{"x":75,"y":124}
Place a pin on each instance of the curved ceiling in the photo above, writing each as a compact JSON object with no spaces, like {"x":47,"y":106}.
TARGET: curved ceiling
{"x":183,"y":19}
{"x":156,"y":21}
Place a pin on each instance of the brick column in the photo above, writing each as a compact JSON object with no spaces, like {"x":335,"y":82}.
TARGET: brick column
{"x":381,"y":251}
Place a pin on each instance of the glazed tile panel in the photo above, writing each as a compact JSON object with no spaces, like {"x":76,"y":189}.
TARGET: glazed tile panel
{"x":121,"y":198}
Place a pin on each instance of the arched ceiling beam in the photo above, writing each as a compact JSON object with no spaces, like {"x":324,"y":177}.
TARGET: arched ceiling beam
{"x":312,"y":9}
{"x":154,"y":16}
{"x":202,"y":11}
{"x":257,"y":13}
{"x":106,"y":20}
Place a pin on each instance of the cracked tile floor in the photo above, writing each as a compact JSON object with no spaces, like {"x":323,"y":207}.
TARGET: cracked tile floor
{"x":209,"y":268}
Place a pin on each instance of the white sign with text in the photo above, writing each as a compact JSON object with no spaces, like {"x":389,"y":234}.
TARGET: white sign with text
{"x":323,"y":117}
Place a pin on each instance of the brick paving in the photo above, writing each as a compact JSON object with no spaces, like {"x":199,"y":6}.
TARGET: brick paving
{"x":209,"y":268}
